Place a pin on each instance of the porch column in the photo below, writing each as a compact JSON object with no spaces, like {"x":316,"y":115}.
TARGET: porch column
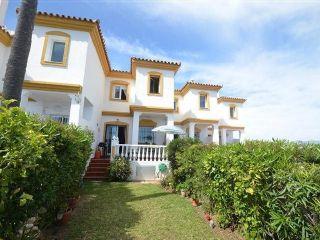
{"x":74,"y":115}
{"x":191,"y":129}
{"x":215,"y":134}
{"x":241,"y":135}
{"x":24,"y":99}
{"x":135,"y":128}
{"x":170,"y":122}
{"x":223,"y":136}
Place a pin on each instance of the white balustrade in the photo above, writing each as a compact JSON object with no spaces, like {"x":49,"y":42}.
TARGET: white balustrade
{"x":148,"y":153}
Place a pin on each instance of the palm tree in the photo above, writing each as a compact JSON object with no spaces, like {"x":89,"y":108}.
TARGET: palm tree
{"x":17,"y":62}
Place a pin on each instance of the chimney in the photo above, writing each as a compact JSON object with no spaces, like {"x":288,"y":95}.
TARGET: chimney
{"x":3,"y":10}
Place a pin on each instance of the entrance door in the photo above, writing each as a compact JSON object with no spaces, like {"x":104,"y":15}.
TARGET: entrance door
{"x":115,"y":131}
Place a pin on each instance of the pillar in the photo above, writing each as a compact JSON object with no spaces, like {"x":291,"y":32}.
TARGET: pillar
{"x":191,"y":129}
{"x":75,"y":106}
{"x":170,"y":122}
{"x":135,"y":128}
{"x":241,"y":135}
{"x":223,"y":136}
{"x":215,"y":134}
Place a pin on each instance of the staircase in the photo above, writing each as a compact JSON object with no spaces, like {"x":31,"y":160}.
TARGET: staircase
{"x":98,"y":169}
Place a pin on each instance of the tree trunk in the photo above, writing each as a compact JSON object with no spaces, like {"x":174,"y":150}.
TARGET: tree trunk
{"x":17,"y":62}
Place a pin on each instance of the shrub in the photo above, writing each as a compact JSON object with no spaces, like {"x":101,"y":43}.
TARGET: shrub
{"x":120,"y":169}
{"x":270,"y":190}
{"x":41,"y":166}
{"x":176,"y":147}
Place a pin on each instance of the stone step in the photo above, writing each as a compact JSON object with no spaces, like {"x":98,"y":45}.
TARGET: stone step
{"x":102,"y":165}
{"x":90,"y":178}
{"x":97,"y":169}
{"x":100,"y":160}
{"x":96,"y":174}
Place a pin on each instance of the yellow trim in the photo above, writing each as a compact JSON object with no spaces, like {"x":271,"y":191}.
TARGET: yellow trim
{"x":52,"y":86}
{"x":147,"y":123}
{"x":118,"y":114}
{"x":207,"y":103}
{"x":134,"y":108}
{"x":5,"y":38}
{"x":74,"y":24}
{"x":160,"y":83}
{"x":118,"y":83}
{"x":65,"y":53}
{"x":120,"y":74}
{"x":230,"y":99}
{"x":231,"y":127}
{"x":197,"y":120}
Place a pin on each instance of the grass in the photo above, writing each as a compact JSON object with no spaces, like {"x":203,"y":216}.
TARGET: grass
{"x":134,"y":211}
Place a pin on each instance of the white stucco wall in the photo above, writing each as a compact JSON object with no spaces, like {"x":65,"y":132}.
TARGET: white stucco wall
{"x":76,"y":65}
{"x":4,"y":54}
{"x":141,"y":96}
{"x":189,"y":106}
{"x":93,"y":91}
{"x":118,"y":106}
{"x":225,"y":119}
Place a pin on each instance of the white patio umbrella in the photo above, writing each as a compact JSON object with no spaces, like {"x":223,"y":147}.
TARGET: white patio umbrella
{"x":169,"y":129}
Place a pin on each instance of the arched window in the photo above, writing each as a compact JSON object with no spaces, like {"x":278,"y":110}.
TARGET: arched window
{"x":55,"y":49}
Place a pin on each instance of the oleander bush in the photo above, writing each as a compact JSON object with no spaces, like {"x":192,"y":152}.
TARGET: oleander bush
{"x":120,"y":169}
{"x":268,"y":190}
{"x":41,"y":167}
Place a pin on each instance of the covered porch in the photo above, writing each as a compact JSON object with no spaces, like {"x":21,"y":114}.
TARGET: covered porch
{"x":147,"y":150}
{"x":59,"y":101}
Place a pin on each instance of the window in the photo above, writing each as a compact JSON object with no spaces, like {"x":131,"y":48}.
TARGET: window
{"x":55,"y":49}
{"x":204,"y":104}
{"x":155,"y":84}
{"x":146,"y":136}
{"x":119,"y":91}
{"x":60,"y":118}
{"x":175,"y":105}
{"x":57,"y":52}
{"x":233,"y":112}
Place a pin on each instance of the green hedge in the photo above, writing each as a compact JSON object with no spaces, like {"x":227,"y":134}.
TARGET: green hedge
{"x":269,"y":190}
{"x":41,"y":167}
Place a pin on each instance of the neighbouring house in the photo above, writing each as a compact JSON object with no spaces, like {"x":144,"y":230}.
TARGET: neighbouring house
{"x":69,"y":78}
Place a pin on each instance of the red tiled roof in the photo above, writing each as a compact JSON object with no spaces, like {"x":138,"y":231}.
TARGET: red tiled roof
{"x":231,"y":99}
{"x":155,"y":61}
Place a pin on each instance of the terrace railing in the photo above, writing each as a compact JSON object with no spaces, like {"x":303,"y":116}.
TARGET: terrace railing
{"x":145,"y":153}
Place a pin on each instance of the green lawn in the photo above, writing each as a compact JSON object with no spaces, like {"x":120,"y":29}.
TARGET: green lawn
{"x":134,"y":211}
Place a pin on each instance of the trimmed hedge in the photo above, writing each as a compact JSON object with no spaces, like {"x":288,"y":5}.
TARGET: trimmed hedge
{"x":269,"y":190}
{"x":41,"y":167}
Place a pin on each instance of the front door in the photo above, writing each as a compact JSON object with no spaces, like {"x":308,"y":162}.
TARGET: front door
{"x":115,"y":131}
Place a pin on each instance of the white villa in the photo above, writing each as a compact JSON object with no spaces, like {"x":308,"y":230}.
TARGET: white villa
{"x":69,"y":78}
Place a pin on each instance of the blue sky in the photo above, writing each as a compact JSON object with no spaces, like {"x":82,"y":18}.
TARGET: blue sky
{"x":265,"y":51}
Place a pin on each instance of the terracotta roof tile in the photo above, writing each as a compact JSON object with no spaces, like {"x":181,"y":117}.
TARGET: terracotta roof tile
{"x":231,"y":99}
{"x":67,"y":16}
{"x":155,"y":61}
